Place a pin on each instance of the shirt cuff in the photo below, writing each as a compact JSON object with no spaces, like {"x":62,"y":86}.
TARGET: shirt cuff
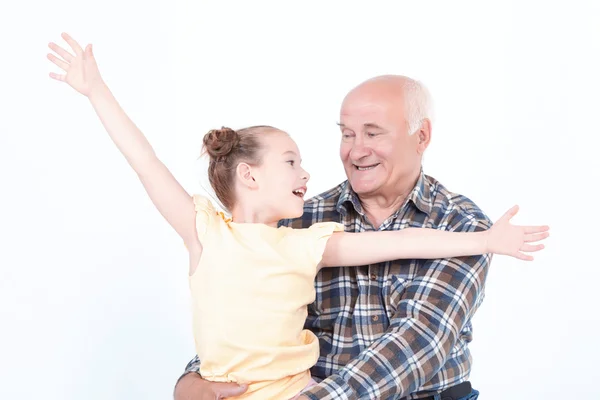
{"x":332,"y":388}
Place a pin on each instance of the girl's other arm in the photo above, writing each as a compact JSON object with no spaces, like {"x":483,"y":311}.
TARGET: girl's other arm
{"x":355,"y":249}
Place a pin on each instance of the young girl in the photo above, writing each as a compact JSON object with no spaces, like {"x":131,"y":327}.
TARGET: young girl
{"x":251,"y":281}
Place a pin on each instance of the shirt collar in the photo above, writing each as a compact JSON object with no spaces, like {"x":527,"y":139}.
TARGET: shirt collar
{"x":420,"y":196}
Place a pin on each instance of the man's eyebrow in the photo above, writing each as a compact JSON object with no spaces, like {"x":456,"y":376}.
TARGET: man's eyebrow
{"x":366,"y":125}
{"x":372,"y":125}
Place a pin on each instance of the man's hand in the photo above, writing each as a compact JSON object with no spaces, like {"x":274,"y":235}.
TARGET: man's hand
{"x":193,"y":387}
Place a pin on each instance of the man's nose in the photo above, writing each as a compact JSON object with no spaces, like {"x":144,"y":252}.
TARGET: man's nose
{"x":359,"y":150}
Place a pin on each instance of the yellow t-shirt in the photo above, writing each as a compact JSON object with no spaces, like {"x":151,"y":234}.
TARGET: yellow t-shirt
{"x":250,"y":291}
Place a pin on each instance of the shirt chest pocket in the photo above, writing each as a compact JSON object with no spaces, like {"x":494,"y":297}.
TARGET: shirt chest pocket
{"x":401,"y":275}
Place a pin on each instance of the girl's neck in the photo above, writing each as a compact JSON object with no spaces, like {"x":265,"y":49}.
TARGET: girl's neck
{"x":241,"y":215}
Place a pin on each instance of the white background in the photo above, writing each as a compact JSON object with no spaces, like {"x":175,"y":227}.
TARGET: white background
{"x":93,"y":283}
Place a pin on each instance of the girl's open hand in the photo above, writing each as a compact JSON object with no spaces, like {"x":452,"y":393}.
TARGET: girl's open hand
{"x":513,"y":240}
{"x":81,"y":70}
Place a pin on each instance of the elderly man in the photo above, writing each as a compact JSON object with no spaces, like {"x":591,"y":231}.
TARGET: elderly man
{"x":400,"y":329}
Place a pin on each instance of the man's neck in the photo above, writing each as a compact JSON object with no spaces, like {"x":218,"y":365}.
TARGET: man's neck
{"x":378,"y":210}
{"x":380,"y":207}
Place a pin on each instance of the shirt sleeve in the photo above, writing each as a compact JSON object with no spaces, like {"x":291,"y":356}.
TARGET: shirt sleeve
{"x":205,"y":212}
{"x":318,"y":234}
{"x":433,"y":309}
{"x":192,"y":366}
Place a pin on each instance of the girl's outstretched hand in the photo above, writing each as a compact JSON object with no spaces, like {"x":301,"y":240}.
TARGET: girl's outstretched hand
{"x":81,"y":70}
{"x":513,"y":240}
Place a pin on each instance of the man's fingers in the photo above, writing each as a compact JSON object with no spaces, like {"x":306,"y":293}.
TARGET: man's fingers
{"x":229,"y":389}
{"x":192,"y":386}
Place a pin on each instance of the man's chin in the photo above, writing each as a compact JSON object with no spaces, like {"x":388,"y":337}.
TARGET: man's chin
{"x":364,"y":187}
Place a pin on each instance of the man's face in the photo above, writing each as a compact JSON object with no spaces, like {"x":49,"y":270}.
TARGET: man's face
{"x":379,"y":155}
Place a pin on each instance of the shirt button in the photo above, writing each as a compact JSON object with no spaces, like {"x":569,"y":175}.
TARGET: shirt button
{"x":375,"y":318}
{"x":373,"y":277}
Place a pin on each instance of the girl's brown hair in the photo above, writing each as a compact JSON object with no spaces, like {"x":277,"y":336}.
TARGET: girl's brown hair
{"x":227,"y":148}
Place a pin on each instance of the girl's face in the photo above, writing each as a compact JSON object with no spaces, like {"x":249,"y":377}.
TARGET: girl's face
{"x":280,"y":178}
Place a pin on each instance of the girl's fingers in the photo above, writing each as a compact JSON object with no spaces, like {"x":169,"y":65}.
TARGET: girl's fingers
{"x":58,"y":77}
{"x":536,"y":229}
{"x":531,"y":247}
{"x":60,"y":63}
{"x":510,"y":213}
{"x":71,"y":42}
{"x":524,"y":257}
{"x":534,"y":237}
{"x":68,"y":57}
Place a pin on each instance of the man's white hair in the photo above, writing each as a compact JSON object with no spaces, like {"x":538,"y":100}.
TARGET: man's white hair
{"x":418,"y":104}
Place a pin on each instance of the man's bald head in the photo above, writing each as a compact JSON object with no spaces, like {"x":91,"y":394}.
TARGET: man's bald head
{"x":410,"y":96}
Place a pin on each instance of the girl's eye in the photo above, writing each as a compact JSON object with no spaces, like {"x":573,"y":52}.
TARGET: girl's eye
{"x":291,"y":162}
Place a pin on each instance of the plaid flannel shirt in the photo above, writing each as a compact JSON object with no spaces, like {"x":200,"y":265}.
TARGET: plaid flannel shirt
{"x":397,"y":329}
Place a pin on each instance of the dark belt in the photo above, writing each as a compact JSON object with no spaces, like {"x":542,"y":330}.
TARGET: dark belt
{"x":454,"y":392}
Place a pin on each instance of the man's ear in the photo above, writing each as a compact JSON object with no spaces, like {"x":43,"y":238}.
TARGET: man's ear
{"x":244,"y":173}
{"x":424,"y":136}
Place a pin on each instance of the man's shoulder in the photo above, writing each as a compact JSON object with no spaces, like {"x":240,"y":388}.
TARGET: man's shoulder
{"x":454,"y":209}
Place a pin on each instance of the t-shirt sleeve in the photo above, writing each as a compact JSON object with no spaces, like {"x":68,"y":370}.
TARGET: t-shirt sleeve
{"x":205,"y":212}
{"x":318,"y":235}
